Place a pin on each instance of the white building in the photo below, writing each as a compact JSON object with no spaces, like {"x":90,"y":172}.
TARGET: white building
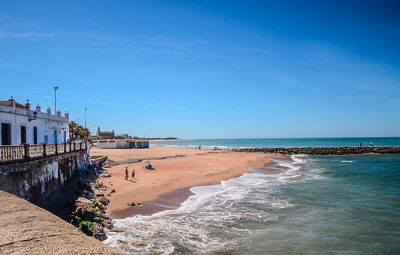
{"x":20,"y":124}
{"x":122,"y":144}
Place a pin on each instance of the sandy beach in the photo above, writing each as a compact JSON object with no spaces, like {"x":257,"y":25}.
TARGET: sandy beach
{"x":176,"y":170}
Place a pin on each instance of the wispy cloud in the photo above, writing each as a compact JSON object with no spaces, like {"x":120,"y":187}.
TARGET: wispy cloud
{"x":394,"y":100}
{"x":254,"y":50}
{"x":23,"y":35}
{"x":203,"y":42}
{"x":136,"y":103}
{"x":5,"y":18}
{"x":29,"y":95}
{"x":144,"y":44}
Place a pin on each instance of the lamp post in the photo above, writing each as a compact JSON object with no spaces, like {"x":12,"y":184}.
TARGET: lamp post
{"x":55,"y":100}
{"x":85,"y":116}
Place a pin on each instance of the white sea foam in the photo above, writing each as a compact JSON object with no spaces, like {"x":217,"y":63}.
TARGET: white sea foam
{"x":347,"y":161}
{"x":299,"y":159}
{"x":211,"y":218}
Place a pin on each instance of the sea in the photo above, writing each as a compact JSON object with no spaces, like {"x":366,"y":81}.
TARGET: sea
{"x":295,"y":205}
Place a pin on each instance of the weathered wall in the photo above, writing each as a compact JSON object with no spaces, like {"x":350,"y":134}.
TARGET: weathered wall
{"x":39,"y":180}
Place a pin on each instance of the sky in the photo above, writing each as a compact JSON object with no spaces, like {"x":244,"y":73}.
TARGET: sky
{"x":208,"y":69}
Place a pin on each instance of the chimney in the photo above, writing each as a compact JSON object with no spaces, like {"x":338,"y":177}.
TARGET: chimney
{"x":27,"y":105}
{"x":11,"y":101}
{"x":38,"y":108}
{"x":48,"y":110}
{"x":66,"y":114}
{"x":58,"y":113}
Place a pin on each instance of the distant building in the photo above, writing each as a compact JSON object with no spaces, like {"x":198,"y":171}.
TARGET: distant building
{"x":20,"y":124}
{"x":122,"y":144}
{"x":104,"y":134}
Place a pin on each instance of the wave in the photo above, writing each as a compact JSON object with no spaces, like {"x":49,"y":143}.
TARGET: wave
{"x":211,"y":218}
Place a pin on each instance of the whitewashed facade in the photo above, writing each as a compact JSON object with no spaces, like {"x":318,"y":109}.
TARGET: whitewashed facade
{"x":122,"y":144}
{"x":20,"y":124}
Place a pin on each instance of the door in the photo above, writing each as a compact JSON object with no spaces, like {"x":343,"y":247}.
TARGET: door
{"x":55,"y":136}
{"x":5,"y":134}
{"x":65,"y":136}
{"x":34,"y":135}
{"x":23,"y":134}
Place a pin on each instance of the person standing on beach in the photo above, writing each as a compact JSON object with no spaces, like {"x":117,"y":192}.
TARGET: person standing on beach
{"x":126,"y":173}
{"x":133,"y":174}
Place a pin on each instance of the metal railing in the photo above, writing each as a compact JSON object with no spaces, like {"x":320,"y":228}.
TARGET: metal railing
{"x":26,"y":152}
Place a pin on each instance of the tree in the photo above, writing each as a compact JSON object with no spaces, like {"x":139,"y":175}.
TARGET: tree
{"x":78,"y":133}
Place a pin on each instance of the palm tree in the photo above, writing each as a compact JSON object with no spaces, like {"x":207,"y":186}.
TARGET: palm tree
{"x":72,"y":129}
{"x":77,"y":132}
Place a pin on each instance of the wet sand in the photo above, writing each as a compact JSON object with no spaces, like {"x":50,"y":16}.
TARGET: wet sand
{"x":176,"y":170}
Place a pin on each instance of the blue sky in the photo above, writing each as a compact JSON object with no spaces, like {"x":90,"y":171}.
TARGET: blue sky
{"x":209,"y":69}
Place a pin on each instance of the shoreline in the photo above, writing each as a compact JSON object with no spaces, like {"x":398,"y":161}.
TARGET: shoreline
{"x":173,"y":200}
{"x":168,"y":201}
{"x":177,"y":170}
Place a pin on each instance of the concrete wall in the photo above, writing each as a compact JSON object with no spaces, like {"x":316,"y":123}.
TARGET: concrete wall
{"x":39,"y":180}
{"x":107,"y":144}
{"x":46,"y":124}
{"x":142,"y":144}
{"x":122,"y":144}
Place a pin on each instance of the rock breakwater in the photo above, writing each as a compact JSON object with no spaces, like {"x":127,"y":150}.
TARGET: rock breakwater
{"x":345,"y":150}
{"x":83,"y":203}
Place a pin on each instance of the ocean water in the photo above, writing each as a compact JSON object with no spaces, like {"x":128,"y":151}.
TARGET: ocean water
{"x":282,"y":142}
{"x":295,"y":205}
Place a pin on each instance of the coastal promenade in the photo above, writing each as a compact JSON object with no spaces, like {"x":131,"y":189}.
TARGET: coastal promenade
{"x":29,"y":229}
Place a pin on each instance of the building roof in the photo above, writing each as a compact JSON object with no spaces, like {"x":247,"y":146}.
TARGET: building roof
{"x":8,"y":103}
{"x":106,"y":133}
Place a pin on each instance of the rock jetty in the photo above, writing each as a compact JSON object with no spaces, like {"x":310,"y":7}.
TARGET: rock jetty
{"x":345,"y":150}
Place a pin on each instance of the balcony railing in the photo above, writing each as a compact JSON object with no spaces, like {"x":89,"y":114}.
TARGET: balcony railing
{"x":27,"y":152}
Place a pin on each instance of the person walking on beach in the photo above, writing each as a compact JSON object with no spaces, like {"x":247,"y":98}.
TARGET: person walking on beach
{"x":133,"y":174}
{"x":126,"y":173}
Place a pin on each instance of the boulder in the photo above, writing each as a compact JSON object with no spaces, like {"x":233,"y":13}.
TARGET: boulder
{"x":139,"y":243}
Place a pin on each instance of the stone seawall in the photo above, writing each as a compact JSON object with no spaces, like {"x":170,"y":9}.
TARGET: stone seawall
{"x":346,"y":150}
{"x":40,"y":180}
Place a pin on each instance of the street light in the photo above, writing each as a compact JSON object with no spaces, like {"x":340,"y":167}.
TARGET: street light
{"x":85,"y":116}
{"x":55,"y":100}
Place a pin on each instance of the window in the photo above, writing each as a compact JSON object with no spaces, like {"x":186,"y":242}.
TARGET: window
{"x":5,"y":134}
{"x":23,"y":134}
{"x":34,"y":135}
